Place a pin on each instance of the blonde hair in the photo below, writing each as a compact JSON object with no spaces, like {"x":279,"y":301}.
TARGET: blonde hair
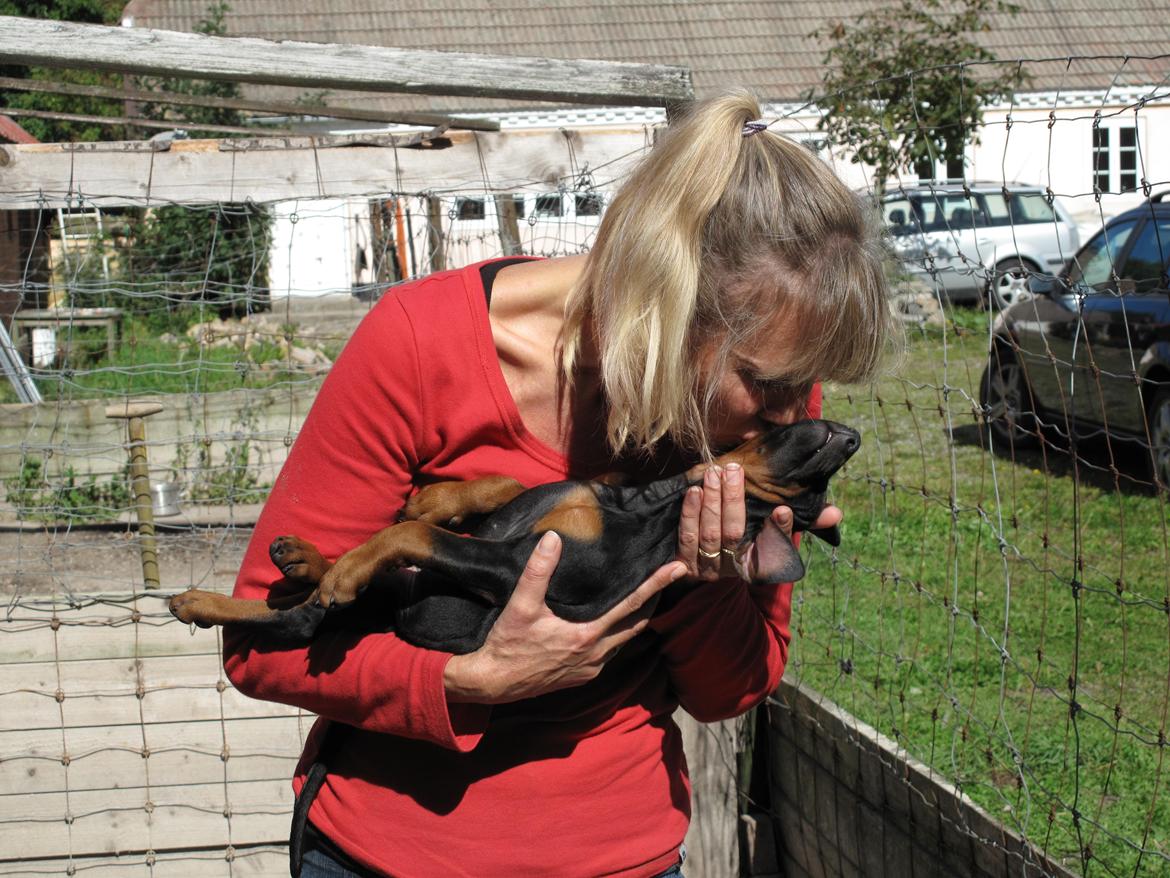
{"x":712,"y":234}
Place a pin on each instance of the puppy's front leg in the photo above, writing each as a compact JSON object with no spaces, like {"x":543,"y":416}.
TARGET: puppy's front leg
{"x":450,"y":503}
{"x":409,"y":543}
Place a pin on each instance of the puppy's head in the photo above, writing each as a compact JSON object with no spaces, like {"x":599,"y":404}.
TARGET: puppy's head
{"x":791,"y":466}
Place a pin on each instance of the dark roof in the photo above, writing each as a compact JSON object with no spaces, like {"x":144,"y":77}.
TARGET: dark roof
{"x":761,"y":44}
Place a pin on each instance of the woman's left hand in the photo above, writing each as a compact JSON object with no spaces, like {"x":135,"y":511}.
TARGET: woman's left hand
{"x":713,"y":519}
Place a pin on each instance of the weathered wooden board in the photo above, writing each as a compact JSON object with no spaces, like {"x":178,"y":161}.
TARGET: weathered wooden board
{"x":217,"y":102}
{"x":205,"y":171}
{"x":97,"y":757}
{"x":327,"y":65}
{"x":266,"y":861}
{"x":712,"y":840}
{"x":106,"y":692}
{"x":102,"y":631}
{"x":182,"y":816}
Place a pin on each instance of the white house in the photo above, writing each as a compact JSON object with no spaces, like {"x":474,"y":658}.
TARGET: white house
{"x":1093,"y":126}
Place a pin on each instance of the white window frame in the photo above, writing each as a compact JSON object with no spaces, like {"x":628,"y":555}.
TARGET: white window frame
{"x":1116,"y":178}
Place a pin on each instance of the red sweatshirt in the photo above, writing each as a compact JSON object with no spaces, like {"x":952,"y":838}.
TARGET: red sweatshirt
{"x":586,"y":782}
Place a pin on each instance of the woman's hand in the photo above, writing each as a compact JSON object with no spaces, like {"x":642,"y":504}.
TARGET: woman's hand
{"x":531,"y":651}
{"x":713,"y":519}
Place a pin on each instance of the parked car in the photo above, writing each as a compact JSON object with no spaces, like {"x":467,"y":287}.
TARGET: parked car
{"x":979,"y":242}
{"x":1089,"y":353}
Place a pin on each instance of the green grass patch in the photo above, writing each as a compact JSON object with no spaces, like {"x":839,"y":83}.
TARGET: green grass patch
{"x":1005,"y":616}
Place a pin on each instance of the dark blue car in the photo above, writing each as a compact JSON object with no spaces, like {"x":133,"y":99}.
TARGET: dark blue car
{"x":1088,"y":354}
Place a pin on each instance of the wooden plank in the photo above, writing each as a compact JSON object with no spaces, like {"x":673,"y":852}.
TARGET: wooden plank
{"x":161,"y":97}
{"x":207,"y":171}
{"x":107,"y":692}
{"x":324,"y":65}
{"x":258,"y":748}
{"x":138,"y":628}
{"x":712,"y":840}
{"x":127,"y":120}
{"x":182,"y":816}
{"x":266,"y":861}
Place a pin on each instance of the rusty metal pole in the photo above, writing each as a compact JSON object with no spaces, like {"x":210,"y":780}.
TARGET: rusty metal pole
{"x":135,"y":414}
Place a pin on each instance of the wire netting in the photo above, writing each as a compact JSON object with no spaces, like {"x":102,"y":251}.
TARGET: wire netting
{"x":999,"y":606}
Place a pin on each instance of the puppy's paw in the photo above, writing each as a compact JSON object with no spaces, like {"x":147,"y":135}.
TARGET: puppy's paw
{"x":442,"y":504}
{"x":298,"y":560}
{"x":348,"y":578}
{"x":195,"y":606}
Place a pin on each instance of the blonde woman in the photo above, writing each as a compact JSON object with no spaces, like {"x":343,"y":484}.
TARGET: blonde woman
{"x":731,"y":273}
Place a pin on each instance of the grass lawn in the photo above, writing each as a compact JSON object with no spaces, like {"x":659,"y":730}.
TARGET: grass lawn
{"x":1005,"y":616}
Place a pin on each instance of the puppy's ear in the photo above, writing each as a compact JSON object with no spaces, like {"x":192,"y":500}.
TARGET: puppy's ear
{"x":773,"y":558}
{"x":831,"y":535}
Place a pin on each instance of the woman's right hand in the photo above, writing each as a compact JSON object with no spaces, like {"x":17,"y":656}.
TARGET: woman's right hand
{"x":531,"y":651}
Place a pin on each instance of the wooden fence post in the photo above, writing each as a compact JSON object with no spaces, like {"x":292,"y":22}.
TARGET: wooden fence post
{"x":509,"y":227}
{"x":438,"y":252}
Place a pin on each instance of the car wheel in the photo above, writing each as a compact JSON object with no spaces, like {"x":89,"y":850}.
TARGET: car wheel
{"x":1009,"y":283}
{"x":1007,"y":401}
{"x":1160,"y":436}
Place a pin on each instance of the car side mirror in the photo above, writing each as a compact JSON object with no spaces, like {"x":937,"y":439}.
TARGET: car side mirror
{"x":1044,"y":284}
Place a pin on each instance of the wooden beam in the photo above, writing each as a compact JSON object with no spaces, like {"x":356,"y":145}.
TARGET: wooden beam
{"x":141,"y":123}
{"x":327,"y":65}
{"x":278,"y":109}
{"x":273,"y":169}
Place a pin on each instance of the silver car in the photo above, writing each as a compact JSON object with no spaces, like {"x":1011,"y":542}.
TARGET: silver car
{"x":979,"y":241}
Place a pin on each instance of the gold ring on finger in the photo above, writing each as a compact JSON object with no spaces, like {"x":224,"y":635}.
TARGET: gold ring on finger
{"x":707,"y":554}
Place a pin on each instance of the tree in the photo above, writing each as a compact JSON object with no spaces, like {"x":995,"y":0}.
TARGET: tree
{"x":217,"y":253}
{"x":906,"y":84}
{"x":55,"y":130}
{"x":212,"y":24}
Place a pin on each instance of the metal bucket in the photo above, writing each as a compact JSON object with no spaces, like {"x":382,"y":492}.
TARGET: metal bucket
{"x":164,"y":498}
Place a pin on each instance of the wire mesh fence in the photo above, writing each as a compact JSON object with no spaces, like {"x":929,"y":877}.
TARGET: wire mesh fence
{"x":1000,"y":605}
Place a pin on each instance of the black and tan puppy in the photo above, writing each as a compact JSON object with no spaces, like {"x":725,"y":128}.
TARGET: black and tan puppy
{"x":448,"y":588}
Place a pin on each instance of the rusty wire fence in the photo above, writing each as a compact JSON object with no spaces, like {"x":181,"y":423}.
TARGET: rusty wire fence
{"x":999,"y":608}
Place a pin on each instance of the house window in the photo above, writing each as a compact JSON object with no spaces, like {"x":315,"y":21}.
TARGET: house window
{"x":1127,"y":159}
{"x":518,"y":200}
{"x":469,"y":208}
{"x":549,"y":205}
{"x":1115,"y":159}
{"x":948,"y":169}
{"x":588,"y":204}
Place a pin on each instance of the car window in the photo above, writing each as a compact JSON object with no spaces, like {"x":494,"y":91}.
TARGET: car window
{"x":900,"y":216}
{"x":996,"y":207}
{"x":1093,"y":265}
{"x":1146,"y":262}
{"x":926,"y":208}
{"x":1030,"y":207}
{"x":961,"y":212}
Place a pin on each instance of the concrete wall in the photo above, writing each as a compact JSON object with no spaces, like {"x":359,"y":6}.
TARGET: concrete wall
{"x":847,"y":801}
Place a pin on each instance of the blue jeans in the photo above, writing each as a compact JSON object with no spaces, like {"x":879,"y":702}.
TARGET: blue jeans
{"x":318,"y":864}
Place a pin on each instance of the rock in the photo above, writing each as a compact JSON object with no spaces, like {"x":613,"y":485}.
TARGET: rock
{"x":915,"y":303}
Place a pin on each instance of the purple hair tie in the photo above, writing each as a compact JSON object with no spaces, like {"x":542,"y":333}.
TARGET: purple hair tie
{"x":754,"y":127}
